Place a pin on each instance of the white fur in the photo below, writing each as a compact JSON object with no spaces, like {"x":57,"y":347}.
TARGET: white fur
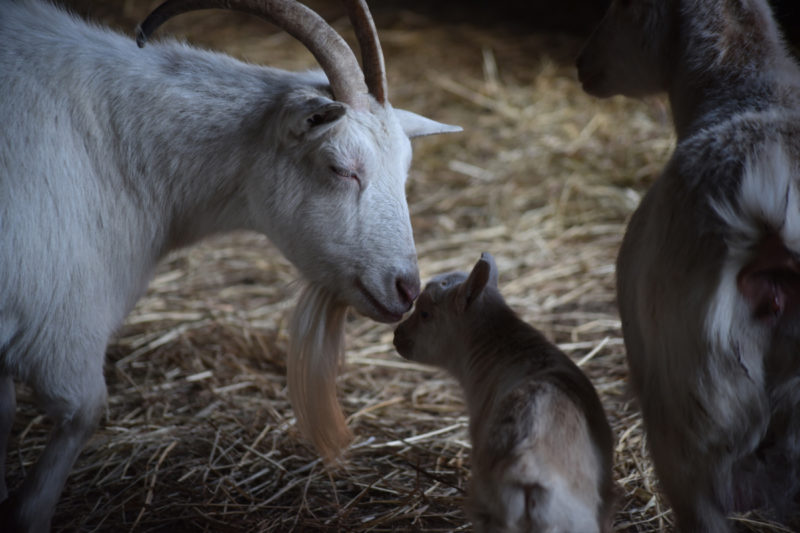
{"x":768,"y":195}
{"x":111,"y":156}
{"x":316,"y":349}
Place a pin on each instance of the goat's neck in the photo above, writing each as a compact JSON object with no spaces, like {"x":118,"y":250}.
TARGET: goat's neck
{"x":484,"y":381}
{"x":699,"y":103}
{"x":184,"y":154}
{"x":726,"y":68}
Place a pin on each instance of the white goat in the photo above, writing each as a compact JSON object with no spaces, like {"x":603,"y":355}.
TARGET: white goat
{"x":541,"y":445}
{"x":708,"y":273}
{"x":111,"y":156}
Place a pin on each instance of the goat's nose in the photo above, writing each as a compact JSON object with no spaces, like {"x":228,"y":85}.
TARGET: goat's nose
{"x":408,"y":288}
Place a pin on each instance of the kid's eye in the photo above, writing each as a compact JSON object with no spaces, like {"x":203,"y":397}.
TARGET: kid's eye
{"x":424,"y":315}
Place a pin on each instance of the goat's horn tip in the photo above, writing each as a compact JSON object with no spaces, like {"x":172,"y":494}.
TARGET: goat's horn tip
{"x":141,"y":38}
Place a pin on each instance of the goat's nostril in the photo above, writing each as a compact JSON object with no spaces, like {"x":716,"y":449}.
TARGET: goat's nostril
{"x":408,"y":289}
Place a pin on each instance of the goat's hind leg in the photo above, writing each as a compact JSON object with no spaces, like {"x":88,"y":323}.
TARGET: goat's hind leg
{"x":689,"y":491}
{"x":8,"y":408}
{"x":694,"y":470}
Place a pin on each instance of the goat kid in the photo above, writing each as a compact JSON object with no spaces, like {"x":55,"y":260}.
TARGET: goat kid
{"x":708,"y":274}
{"x":541,"y":445}
{"x":111,"y":156}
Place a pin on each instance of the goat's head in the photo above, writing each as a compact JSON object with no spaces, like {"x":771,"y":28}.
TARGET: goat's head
{"x":344,"y":221}
{"x":629,"y":51}
{"x":340,"y":154}
{"x":444,"y":313}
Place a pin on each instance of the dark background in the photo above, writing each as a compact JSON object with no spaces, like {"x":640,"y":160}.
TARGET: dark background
{"x":572,"y":16}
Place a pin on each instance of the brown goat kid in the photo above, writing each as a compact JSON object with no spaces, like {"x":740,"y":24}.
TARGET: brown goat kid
{"x":541,"y":444}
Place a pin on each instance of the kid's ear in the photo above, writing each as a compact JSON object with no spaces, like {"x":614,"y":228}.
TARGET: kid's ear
{"x":484,"y":272}
{"x":493,"y":274}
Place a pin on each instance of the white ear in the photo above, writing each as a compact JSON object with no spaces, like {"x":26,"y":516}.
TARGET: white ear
{"x":416,"y":125}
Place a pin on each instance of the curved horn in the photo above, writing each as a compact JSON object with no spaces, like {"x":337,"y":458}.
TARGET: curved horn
{"x":327,"y":46}
{"x":371,"y":53}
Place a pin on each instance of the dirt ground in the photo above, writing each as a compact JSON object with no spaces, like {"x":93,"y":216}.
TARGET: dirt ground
{"x":199,"y":435}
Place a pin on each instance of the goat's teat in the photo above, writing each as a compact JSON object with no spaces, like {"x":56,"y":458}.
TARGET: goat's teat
{"x":770,"y":282}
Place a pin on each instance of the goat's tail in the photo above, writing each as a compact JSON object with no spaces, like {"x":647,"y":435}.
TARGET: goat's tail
{"x":316,"y":347}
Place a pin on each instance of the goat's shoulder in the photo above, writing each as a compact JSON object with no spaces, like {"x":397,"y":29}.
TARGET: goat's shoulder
{"x":534,"y":410}
{"x":512,"y":420}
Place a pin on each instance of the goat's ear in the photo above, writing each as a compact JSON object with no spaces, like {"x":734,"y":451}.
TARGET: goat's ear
{"x":417,"y":126}
{"x":318,"y":113}
{"x":484,"y":272}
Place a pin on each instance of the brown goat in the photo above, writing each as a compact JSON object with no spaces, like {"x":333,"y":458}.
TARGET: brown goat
{"x":708,"y":274}
{"x":541,"y":444}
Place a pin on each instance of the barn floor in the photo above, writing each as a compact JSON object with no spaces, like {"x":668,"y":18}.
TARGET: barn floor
{"x":199,"y":434}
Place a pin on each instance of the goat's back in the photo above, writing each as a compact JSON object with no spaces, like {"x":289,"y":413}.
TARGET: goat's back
{"x":536,"y":466}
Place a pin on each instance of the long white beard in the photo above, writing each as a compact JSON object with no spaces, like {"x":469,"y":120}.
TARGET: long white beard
{"x":316,"y":349}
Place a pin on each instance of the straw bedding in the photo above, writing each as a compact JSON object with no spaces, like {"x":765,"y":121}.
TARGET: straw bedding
{"x":199,"y":434}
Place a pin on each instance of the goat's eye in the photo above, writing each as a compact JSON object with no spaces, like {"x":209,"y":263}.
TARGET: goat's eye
{"x":345,"y":173}
{"x":424,"y":315}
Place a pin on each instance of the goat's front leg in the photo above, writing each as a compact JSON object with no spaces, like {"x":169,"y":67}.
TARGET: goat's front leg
{"x":76,"y":418}
{"x":8,"y":408}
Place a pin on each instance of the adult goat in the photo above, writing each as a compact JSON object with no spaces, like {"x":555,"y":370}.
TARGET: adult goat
{"x":111,"y":156}
{"x":708,"y":275}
